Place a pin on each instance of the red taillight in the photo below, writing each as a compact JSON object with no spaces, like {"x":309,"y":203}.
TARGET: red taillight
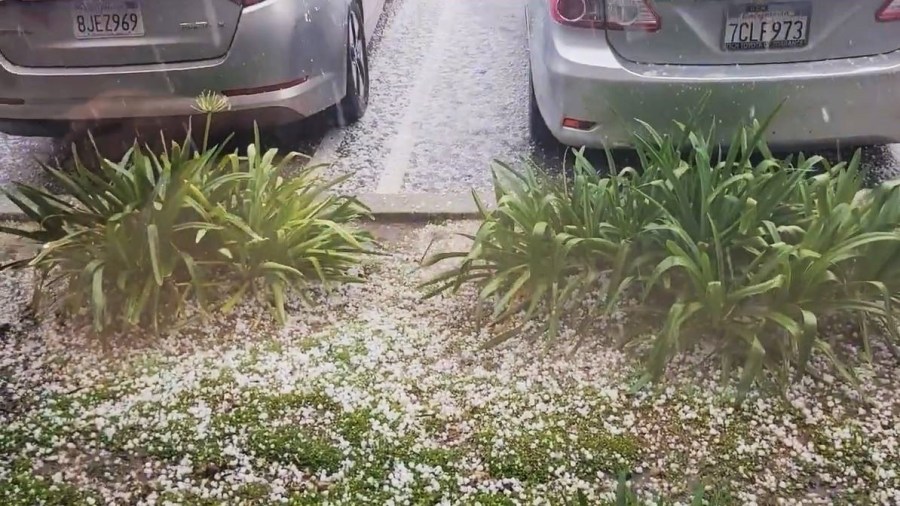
{"x":611,"y":14}
{"x":580,"y":13}
{"x":631,"y":15}
{"x":247,"y":3}
{"x":890,"y":11}
{"x":577,"y":124}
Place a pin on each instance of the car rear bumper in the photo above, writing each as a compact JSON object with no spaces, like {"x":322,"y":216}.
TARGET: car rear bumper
{"x":289,"y":69}
{"x":853,"y":101}
{"x":224,"y":123}
{"x":158,"y":93}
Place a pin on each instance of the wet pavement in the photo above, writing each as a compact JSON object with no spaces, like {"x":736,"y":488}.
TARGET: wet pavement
{"x":449,"y":94}
{"x":20,"y":156}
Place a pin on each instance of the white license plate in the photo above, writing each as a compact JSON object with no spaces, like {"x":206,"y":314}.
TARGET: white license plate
{"x":99,"y":19}
{"x":751,"y":27}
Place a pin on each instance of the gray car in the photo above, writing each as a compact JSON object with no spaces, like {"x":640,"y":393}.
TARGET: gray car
{"x":597,"y":65}
{"x":83,"y":62}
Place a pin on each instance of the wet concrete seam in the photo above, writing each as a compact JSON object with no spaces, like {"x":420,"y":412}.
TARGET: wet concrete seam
{"x":401,"y":147}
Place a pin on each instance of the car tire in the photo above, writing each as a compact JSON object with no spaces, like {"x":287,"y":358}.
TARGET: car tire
{"x":545,"y":144}
{"x":878,"y":163}
{"x":353,"y":106}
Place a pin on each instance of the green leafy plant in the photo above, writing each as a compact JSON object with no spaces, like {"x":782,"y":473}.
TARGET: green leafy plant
{"x":734,"y":248}
{"x":135,"y":239}
{"x":284,"y":232}
{"x":120,"y":230}
{"x":525,"y":256}
{"x":700,"y":495}
{"x":626,"y":495}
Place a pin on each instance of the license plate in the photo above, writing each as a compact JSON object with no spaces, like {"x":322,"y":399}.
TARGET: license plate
{"x":750,"y":27}
{"x":99,"y":19}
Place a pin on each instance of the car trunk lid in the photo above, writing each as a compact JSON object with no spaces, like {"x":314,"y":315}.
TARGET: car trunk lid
{"x":691,"y":32}
{"x":90,"y":33}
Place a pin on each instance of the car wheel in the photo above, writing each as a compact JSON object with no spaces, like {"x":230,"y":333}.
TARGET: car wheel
{"x":544,"y":142}
{"x":354,"y":103}
{"x":878,"y":162}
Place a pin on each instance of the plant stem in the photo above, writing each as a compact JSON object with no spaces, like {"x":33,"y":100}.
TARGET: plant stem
{"x":206,"y":132}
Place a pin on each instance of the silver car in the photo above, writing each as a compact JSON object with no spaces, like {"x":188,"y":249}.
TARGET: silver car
{"x":82,"y":62}
{"x":597,"y":65}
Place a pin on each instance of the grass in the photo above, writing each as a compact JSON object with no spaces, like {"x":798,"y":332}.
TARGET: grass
{"x":375,"y":452}
{"x":297,"y":446}
{"x":551,"y":445}
{"x":387,"y":404}
{"x":23,"y":487}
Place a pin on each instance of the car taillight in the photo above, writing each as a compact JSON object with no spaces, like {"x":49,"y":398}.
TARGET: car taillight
{"x":580,"y":13}
{"x":890,"y":11}
{"x":247,"y":3}
{"x":631,"y":15}
{"x":611,"y":14}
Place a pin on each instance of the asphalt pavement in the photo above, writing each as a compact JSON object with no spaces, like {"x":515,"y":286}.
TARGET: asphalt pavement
{"x":449,"y":94}
{"x":19,"y":157}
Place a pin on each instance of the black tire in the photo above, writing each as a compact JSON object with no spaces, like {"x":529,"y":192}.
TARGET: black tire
{"x":546,"y":145}
{"x":110,"y":141}
{"x":877,"y":162}
{"x":353,"y":106}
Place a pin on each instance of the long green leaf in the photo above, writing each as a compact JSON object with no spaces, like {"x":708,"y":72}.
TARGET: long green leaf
{"x":153,"y":243}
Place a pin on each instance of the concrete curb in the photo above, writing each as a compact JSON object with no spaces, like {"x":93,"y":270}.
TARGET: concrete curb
{"x":385,"y":207}
{"x":8,"y":210}
{"x":425,"y":206}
